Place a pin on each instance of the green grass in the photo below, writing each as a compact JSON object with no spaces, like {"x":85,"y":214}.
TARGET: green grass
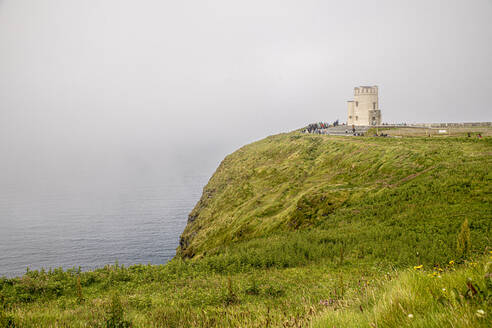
{"x":452,"y":297}
{"x":396,"y":200}
{"x":297,"y":230}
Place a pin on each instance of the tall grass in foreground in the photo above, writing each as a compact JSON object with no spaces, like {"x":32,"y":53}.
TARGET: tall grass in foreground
{"x":455,"y":295}
{"x":423,"y":298}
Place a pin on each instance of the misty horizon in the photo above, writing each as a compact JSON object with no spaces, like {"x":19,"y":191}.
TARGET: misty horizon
{"x":107,"y":71}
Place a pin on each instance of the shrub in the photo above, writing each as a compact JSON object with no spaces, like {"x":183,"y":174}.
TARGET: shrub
{"x":115,"y":314}
{"x":253,"y":288}
{"x":80,"y":296}
{"x":230,"y":296}
{"x":463,"y":240}
{"x":6,"y":321}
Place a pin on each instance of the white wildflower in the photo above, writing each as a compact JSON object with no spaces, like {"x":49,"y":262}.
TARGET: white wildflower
{"x":480,"y":313}
{"x":410,"y":315}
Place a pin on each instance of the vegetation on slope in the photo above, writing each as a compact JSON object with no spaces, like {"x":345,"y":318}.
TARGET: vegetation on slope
{"x":296,"y":230}
{"x":395,"y":200}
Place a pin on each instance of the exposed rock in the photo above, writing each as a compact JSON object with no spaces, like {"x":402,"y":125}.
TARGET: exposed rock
{"x":192,"y":218}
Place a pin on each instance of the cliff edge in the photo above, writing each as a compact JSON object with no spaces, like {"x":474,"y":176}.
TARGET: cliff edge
{"x":399,"y":199}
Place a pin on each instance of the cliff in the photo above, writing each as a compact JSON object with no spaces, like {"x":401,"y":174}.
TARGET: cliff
{"x":396,"y":199}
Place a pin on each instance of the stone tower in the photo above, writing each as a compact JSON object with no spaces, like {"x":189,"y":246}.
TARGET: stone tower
{"x":364,"y":109}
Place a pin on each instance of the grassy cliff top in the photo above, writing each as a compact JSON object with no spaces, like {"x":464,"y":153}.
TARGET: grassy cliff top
{"x":400,"y":200}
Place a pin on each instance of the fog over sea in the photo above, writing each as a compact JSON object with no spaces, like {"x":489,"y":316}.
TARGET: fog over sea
{"x":92,"y":209}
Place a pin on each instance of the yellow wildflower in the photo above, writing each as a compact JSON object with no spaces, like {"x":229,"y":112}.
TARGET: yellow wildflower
{"x":451,"y":262}
{"x":418,"y":267}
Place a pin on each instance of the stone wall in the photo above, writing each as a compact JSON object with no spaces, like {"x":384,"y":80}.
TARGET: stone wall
{"x":443,"y":125}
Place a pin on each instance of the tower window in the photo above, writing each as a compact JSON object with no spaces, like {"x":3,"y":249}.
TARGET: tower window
{"x":356,"y":104}
{"x":374,"y":105}
{"x":357,"y":118}
{"x":350,"y":116}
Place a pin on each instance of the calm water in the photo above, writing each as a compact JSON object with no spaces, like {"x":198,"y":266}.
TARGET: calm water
{"x":92,"y":217}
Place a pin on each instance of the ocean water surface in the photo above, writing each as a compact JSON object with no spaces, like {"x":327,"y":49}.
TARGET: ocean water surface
{"x":84,"y":214}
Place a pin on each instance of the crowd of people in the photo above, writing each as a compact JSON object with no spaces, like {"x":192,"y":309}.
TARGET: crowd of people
{"x":320,"y":126}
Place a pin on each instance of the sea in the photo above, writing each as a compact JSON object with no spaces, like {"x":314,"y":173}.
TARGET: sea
{"x":89,"y":212}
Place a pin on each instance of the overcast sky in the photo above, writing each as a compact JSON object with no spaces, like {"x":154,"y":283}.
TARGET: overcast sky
{"x":224,"y":72}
